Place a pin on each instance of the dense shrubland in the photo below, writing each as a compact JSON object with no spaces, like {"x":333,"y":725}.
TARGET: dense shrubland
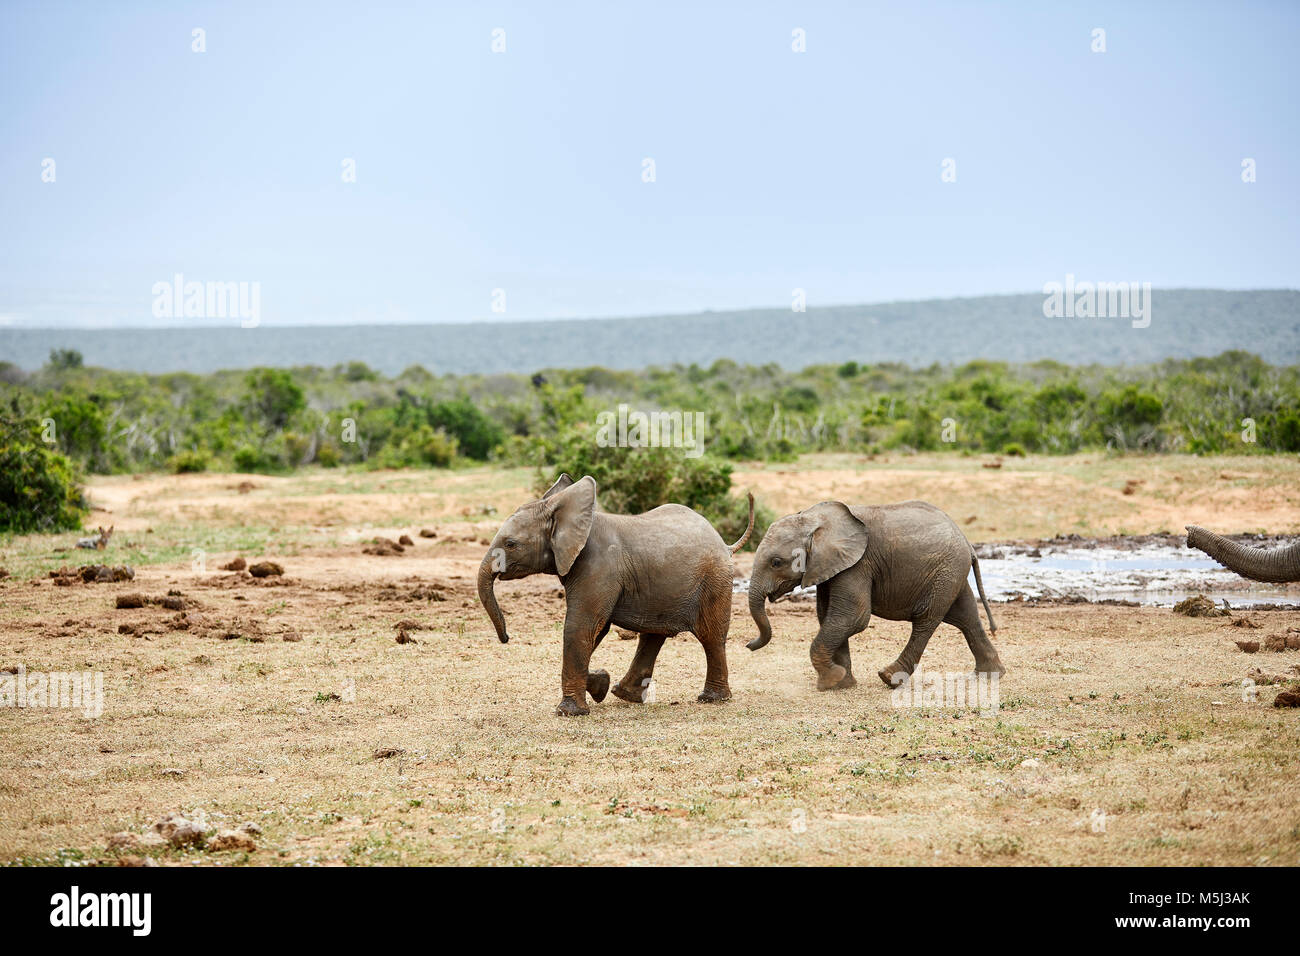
{"x":276,"y":420}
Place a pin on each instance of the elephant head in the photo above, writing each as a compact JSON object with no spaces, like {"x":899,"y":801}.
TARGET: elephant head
{"x":542,"y":537}
{"x":1275,"y":565}
{"x":802,"y":549}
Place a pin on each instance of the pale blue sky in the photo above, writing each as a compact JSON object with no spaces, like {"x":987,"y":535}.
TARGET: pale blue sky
{"x":522,"y":170}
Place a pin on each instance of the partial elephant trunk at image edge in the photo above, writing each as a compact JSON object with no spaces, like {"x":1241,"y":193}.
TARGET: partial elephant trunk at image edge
{"x":1273,"y":565}
{"x":759,"y":613}
{"x":487,"y":595}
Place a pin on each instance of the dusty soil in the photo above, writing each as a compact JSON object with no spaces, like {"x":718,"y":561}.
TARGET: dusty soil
{"x":1123,"y":735}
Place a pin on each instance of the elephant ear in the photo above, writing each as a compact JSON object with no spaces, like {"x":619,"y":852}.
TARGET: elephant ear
{"x":838,"y":541}
{"x":571,"y":511}
{"x":561,"y":483}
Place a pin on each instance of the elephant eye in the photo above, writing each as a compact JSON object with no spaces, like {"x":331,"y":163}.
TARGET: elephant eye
{"x":776,"y":562}
{"x":511,"y":542}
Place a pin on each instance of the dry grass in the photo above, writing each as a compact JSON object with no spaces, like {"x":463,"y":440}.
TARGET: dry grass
{"x":1136,"y":714}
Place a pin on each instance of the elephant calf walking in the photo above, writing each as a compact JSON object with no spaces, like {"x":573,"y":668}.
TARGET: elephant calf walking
{"x":902,"y":562}
{"x":659,"y":574}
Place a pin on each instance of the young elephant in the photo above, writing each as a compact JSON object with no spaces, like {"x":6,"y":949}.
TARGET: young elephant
{"x":659,"y":573}
{"x":902,"y":562}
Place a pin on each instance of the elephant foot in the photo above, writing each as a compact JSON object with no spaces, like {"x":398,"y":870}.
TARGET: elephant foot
{"x":894,"y":674}
{"x":830,"y":678}
{"x":848,"y":681}
{"x":711,"y":695}
{"x":637,"y":694}
{"x":598,"y":685}
{"x":571,"y":708}
{"x":993,"y":666}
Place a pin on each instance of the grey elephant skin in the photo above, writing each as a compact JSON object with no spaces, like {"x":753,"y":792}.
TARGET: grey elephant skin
{"x":903,"y":562}
{"x":1273,"y":565}
{"x":660,"y":573}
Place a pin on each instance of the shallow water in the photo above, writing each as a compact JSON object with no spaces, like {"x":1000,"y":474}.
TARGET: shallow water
{"x":1159,"y":575}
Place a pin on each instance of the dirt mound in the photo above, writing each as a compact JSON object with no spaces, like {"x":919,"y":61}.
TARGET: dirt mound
{"x":93,"y":574}
{"x":1199,"y":606}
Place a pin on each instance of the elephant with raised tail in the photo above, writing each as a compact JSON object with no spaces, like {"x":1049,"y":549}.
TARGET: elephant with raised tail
{"x":658,"y":574}
{"x":902,"y":562}
{"x":1274,"y":565}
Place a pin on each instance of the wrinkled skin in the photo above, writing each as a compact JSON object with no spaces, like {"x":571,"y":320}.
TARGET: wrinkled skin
{"x":1275,"y":565}
{"x":902,"y":562}
{"x":660,"y":573}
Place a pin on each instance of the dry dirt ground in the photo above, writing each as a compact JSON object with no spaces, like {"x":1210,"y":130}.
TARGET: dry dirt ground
{"x":1123,"y":734}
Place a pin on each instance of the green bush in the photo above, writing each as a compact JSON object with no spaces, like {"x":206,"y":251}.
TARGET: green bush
{"x":39,"y":490}
{"x":476,"y":434}
{"x":274,"y":420}
{"x":416,"y":447}
{"x":187,"y":462}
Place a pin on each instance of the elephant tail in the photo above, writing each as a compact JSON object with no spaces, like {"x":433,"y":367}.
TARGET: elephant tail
{"x":733,"y":548}
{"x":979,"y":583}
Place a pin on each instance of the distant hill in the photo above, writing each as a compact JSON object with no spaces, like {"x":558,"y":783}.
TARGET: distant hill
{"x":1184,"y":323}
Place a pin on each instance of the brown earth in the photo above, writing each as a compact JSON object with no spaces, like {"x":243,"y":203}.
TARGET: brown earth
{"x":273,"y":699}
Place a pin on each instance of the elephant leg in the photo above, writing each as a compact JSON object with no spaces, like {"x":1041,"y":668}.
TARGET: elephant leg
{"x":895,"y":673}
{"x":965,"y":616}
{"x":842,"y":613}
{"x":711,"y":630}
{"x":841,"y":657}
{"x":598,"y":681}
{"x":841,"y":654}
{"x":581,"y":635}
{"x":632,"y":688}
{"x":829,"y":644}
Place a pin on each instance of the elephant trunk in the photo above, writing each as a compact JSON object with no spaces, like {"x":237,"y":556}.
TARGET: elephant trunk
{"x":758,"y":611}
{"x":487,"y":576}
{"x":1275,"y":565}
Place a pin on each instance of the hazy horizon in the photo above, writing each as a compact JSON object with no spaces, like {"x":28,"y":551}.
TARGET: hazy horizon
{"x":181,"y":323}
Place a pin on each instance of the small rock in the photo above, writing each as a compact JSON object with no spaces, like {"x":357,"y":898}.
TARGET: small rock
{"x":231,"y":840}
{"x":428,"y":533}
{"x":1030,"y":762}
{"x":251,"y":828}
{"x":405,"y":541}
{"x":1264,"y":679}
{"x":1199,"y":606}
{"x":1287,"y":698}
{"x":180,"y":831}
{"x":383,"y":547}
{"x":265,"y":569}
